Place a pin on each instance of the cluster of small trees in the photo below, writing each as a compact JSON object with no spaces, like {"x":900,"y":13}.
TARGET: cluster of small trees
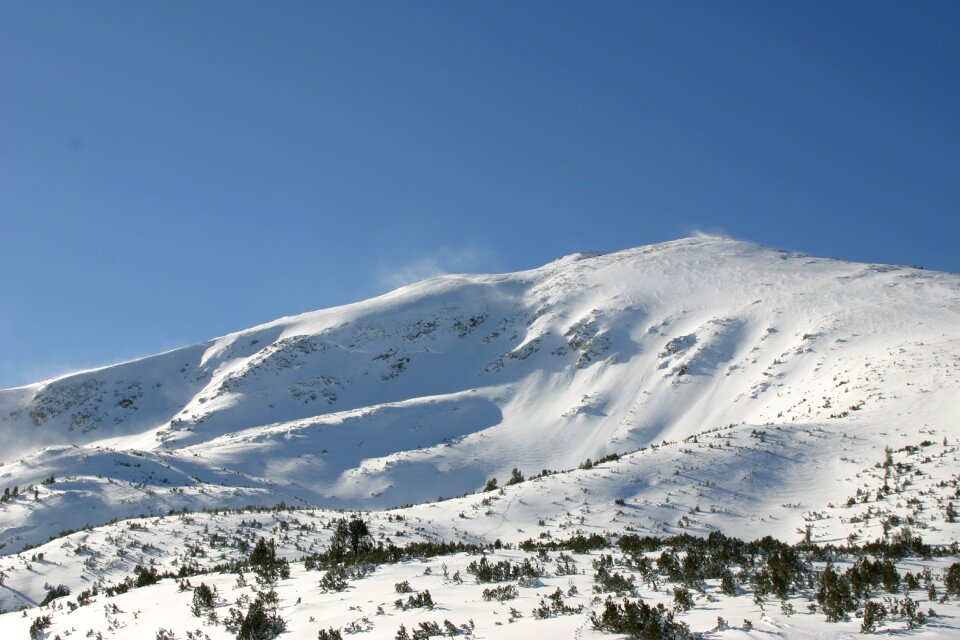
{"x":637,"y":619}
{"x":840,"y":594}
{"x":767,"y":566}
{"x":350,"y":543}
{"x":262,"y":620}
{"x":553,"y":605}
{"x":421,"y":599}
{"x":431,"y":629}
{"x":9,"y":494}
{"x":142,"y":577}
{"x":516,"y":477}
{"x":504,"y":570}
{"x":53,"y":593}
{"x":501,"y":593}
{"x":608,"y":581}
{"x":38,"y":626}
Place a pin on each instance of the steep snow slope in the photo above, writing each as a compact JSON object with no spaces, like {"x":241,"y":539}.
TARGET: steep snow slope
{"x":433,"y":388}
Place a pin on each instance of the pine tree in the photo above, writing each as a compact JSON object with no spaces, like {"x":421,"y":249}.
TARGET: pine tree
{"x":350,"y":538}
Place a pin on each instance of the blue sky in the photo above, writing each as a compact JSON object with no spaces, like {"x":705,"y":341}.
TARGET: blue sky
{"x":174,"y":171}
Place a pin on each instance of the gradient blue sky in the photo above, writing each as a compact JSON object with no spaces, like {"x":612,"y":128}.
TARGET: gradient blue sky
{"x":173,"y":171}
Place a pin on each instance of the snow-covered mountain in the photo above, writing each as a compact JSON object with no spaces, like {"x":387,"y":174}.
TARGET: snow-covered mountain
{"x":434,"y":388}
{"x":697,"y":386}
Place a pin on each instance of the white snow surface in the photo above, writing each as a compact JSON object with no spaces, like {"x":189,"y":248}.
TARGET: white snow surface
{"x":752,"y":390}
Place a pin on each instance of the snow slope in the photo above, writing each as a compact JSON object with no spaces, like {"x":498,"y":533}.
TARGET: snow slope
{"x":430,"y":390}
{"x":367,"y":606}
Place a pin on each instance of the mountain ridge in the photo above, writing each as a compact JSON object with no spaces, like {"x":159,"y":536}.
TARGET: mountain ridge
{"x":453,"y":380}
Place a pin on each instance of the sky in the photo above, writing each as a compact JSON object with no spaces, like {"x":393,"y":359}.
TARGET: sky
{"x":175,"y":171}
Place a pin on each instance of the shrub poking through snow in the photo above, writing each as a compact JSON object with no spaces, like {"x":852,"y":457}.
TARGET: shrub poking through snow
{"x":419,"y":600}
{"x":637,"y":619}
{"x":204,"y":599}
{"x":501,"y":594}
{"x":553,"y":605}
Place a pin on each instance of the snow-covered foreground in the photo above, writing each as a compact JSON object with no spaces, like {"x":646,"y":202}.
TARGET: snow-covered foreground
{"x":562,"y":592}
{"x":725,"y":387}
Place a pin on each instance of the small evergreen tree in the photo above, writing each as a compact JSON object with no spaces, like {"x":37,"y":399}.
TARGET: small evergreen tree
{"x":350,"y":539}
{"x":873,"y":616}
{"x":262,"y":622}
{"x":516,"y":477}
{"x":265,"y":563}
{"x":146,"y":576}
{"x":682,"y":602}
{"x":834,"y":595}
{"x":204,"y":599}
{"x":37,"y":627}
{"x":951,"y":579}
{"x":55,"y":592}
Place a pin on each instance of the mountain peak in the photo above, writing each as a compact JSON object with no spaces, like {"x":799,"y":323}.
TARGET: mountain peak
{"x":462,"y":378}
